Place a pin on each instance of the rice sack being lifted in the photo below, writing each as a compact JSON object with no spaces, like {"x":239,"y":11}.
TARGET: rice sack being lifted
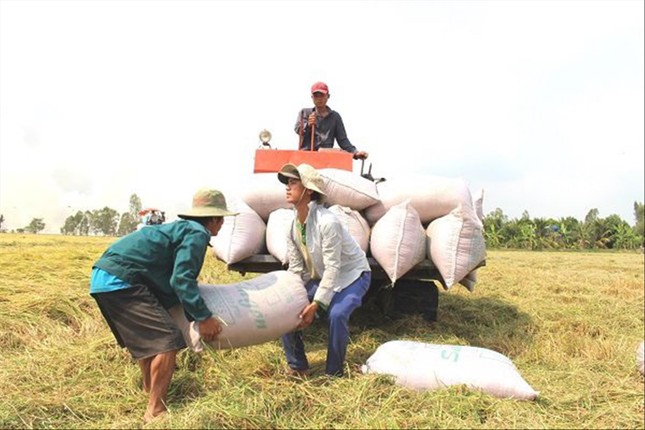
{"x":426,"y":366}
{"x":251,"y":312}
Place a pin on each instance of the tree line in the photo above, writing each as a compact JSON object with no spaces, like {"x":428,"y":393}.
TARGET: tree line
{"x":97,"y":222}
{"x":105,"y":221}
{"x":593,"y":232}
{"x":35,"y":226}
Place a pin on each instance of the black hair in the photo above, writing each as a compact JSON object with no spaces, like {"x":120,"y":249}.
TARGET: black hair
{"x":203,"y":220}
{"x":317,"y":197}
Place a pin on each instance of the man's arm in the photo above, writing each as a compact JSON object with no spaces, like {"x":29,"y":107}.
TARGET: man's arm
{"x":305,"y":135}
{"x":341,"y":137}
{"x":189,"y":257}
{"x":331,"y":244}
{"x":303,"y":115}
{"x":298,"y":122}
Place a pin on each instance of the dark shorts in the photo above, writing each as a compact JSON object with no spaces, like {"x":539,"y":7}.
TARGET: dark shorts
{"x":139,"y":322}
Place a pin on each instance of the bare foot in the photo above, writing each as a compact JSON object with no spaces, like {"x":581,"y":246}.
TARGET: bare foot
{"x":148,"y":417}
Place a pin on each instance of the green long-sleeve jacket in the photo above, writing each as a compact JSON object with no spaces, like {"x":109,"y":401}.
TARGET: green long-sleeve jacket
{"x":166,"y":258}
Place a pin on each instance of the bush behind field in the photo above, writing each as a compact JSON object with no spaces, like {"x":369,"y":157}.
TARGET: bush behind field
{"x":569,"y":321}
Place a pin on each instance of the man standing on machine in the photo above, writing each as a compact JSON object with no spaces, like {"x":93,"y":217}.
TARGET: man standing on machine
{"x":325,"y":124}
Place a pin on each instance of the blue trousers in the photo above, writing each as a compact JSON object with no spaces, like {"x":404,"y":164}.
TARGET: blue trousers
{"x":340,"y":309}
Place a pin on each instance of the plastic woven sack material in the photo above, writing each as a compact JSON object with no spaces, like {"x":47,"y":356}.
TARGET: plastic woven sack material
{"x":348,"y":189}
{"x":355,"y":224}
{"x":398,"y":241}
{"x":251,"y":312}
{"x":265,"y":194}
{"x":278,"y":226}
{"x":456,"y":245}
{"x":431,"y":196}
{"x":241,"y":236}
{"x":426,"y":366}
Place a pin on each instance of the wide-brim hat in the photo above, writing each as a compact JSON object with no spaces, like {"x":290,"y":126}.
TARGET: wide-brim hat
{"x":208,"y":202}
{"x":309,"y":176}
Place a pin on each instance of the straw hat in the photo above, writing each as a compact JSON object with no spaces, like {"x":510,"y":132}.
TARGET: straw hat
{"x":208,"y":202}
{"x":309,"y":176}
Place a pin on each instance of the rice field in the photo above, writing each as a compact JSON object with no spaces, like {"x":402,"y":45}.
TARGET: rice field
{"x":569,"y":321}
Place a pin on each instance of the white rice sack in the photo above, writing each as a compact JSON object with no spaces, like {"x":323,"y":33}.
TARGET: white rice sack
{"x":640,"y":351}
{"x":280,"y":221}
{"x":191,"y":335}
{"x":424,"y":366}
{"x":354,"y":223}
{"x":478,"y":205}
{"x":431,"y":196}
{"x":265,"y":194}
{"x":470,"y":280}
{"x":240,"y":236}
{"x":374,"y":212}
{"x":398,"y":241}
{"x":255,"y":311}
{"x":456,"y":245}
{"x":348,"y":189}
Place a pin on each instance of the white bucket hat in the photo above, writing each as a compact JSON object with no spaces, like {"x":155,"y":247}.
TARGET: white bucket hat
{"x":309,"y":176}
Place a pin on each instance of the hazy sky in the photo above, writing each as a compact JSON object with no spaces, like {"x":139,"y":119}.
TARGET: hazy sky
{"x":539,"y":103}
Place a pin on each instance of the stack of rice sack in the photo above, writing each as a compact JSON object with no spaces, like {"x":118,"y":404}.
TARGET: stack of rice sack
{"x":399,"y":224}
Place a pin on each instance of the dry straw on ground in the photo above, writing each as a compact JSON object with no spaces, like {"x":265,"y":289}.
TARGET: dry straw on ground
{"x":569,"y":321}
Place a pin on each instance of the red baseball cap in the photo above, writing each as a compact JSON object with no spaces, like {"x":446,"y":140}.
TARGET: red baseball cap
{"x":320,"y":87}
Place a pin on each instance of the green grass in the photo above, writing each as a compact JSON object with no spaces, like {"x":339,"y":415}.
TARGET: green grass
{"x":570,"y":321}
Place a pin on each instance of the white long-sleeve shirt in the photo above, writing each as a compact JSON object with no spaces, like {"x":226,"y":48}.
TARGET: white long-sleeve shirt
{"x":335,"y":255}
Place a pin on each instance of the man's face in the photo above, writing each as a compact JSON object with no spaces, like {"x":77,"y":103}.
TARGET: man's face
{"x":320,"y":99}
{"x":295,"y":191}
{"x":215,"y":225}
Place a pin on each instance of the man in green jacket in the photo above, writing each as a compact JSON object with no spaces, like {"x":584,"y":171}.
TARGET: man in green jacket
{"x":145,"y":273}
